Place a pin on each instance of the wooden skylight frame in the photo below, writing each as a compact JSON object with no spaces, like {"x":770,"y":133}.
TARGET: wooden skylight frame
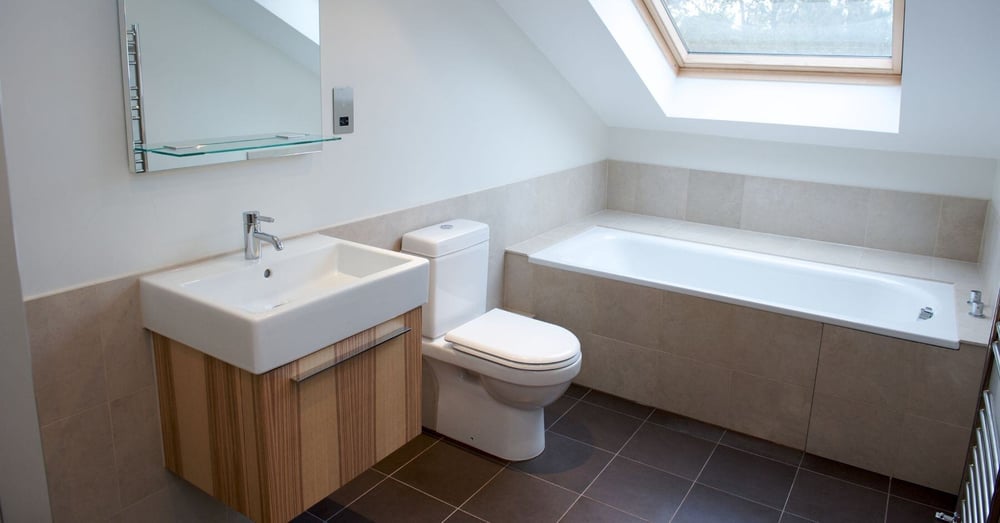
{"x":792,"y":66}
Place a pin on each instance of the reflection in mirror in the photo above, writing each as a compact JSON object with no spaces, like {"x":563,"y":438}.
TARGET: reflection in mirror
{"x":208,"y":80}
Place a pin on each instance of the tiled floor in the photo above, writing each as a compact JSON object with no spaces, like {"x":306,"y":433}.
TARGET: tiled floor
{"x":607,"y":459}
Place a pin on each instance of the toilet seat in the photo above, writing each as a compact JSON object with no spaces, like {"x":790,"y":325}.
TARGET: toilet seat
{"x":516,"y":341}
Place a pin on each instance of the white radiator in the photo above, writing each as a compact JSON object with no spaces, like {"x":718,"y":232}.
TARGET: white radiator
{"x":976,"y":496}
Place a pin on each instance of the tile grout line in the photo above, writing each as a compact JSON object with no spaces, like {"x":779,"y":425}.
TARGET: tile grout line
{"x":792,"y":486}
{"x":695,"y":481}
{"x":379,"y":482}
{"x":608,"y":464}
{"x":493,"y":477}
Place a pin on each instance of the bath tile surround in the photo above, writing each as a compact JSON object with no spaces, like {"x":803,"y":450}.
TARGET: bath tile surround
{"x":880,"y":403}
{"x":92,"y":362}
{"x":925,"y":224}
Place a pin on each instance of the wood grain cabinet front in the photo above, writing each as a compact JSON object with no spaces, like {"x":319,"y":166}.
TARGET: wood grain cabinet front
{"x":272,"y":445}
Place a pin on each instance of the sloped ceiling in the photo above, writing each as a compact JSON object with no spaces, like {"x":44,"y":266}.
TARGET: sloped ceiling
{"x":950,"y":88}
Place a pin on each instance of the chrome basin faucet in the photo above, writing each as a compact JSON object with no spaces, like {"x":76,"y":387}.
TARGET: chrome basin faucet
{"x":252,"y":235}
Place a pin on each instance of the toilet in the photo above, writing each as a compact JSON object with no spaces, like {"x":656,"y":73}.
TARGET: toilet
{"x":487,"y":376}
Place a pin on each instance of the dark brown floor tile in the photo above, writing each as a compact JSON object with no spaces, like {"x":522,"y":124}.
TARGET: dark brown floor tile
{"x":827,"y":499}
{"x":462,"y":517}
{"x":629,"y":408}
{"x":589,"y":511}
{"x":668,"y":450}
{"x":566,"y":462}
{"x":905,"y":511}
{"x":405,"y":453}
{"x":693,"y":427}
{"x":394,"y":501}
{"x":638,"y":489}
{"x":515,"y":496}
{"x":576,"y":391}
{"x":749,"y":476}
{"x":707,"y":505}
{"x":447,"y":472}
{"x":846,"y":472}
{"x":306,"y":517}
{"x":791,"y":518}
{"x":346,"y":494}
{"x":921,"y":494}
{"x":762,"y":447}
{"x":556,"y":409}
{"x":597,"y":426}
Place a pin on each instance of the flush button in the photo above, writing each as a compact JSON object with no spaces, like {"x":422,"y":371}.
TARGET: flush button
{"x":447,"y":226}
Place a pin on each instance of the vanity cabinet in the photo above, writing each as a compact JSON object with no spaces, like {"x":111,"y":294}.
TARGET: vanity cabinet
{"x":272,"y":445}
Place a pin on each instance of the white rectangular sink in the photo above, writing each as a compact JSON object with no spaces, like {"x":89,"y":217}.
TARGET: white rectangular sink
{"x":259,"y":315}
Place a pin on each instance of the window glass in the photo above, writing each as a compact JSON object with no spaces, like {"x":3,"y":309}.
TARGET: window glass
{"x":828,"y":28}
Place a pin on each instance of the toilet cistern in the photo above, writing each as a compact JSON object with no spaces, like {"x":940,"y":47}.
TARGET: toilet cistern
{"x":252,"y":235}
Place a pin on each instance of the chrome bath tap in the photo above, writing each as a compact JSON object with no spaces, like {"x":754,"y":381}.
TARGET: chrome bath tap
{"x":252,"y":235}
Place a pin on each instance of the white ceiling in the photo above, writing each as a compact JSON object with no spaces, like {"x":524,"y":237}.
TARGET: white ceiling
{"x":950,"y":88}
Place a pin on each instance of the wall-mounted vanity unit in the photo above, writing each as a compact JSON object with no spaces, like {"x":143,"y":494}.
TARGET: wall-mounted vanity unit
{"x":213,"y":81}
{"x":283,"y":378}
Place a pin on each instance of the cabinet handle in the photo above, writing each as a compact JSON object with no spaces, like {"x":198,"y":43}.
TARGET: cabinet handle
{"x":367,"y":346}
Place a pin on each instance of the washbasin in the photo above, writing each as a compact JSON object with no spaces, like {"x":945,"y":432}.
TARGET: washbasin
{"x":261,"y":314}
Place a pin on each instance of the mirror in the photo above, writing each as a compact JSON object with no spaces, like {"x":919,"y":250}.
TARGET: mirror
{"x":211,"y":81}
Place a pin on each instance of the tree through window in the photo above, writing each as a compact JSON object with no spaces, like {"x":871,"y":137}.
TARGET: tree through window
{"x":847,"y":36}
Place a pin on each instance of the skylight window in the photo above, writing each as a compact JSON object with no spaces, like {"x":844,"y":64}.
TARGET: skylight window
{"x":827,"y":36}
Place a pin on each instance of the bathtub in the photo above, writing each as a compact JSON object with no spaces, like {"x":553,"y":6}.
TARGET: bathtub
{"x":874,"y":302}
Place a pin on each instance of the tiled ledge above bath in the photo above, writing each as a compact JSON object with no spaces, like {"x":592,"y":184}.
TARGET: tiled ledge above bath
{"x":964,"y":275}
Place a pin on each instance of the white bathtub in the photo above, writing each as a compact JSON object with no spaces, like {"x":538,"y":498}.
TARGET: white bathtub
{"x":868,"y":301}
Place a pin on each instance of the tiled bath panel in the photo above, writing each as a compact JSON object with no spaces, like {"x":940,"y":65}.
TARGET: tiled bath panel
{"x":886,"y":405}
{"x":93,"y":369}
{"x":612,"y":460}
{"x":925,"y":224}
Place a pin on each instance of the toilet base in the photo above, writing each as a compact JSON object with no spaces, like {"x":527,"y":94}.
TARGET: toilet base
{"x":463,"y":411}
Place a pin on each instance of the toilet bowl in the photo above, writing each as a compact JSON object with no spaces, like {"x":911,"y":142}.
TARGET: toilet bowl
{"x":487,"y":376}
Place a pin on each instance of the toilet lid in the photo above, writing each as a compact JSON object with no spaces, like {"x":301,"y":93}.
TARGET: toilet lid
{"x":515,"y":341}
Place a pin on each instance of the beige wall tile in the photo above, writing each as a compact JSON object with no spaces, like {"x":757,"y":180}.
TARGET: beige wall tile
{"x":863,"y":367}
{"x":128,"y":353}
{"x":135,"y":426}
{"x":771,"y":345}
{"x":804,"y":209}
{"x":689,"y":328}
{"x":64,"y":331}
{"x":715,"y":198}
{"x":857,"y":433}
{"x":77,"y":392}
{"x":564,"y":298}
{"x":80,"y":467}
{"x":770,"y":409}
{"x":615,"y":367}
{"x":662,"y":191}
{"x":903,"y":221}
{"x":991,"y":252}
{"x":626,"y":312}
{"x":691,"y":388}
{"x":623,"y":179}
{"x":518,"y":283}
{"x":494,"y":282}
{"x":961,"y":230}
{"x":940,"y":382}
{"x":931,"y":453}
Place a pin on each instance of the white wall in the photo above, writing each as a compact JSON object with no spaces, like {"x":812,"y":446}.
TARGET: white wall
{"x":451,"y":98}
{"x":901,"y":171}
{"x":24,"y":494}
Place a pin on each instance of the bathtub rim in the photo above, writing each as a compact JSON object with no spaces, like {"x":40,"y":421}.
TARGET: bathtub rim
{"x":951,"y":343}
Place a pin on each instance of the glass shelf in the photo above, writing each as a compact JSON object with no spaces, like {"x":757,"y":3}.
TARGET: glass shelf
{"x":233,"y":144}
